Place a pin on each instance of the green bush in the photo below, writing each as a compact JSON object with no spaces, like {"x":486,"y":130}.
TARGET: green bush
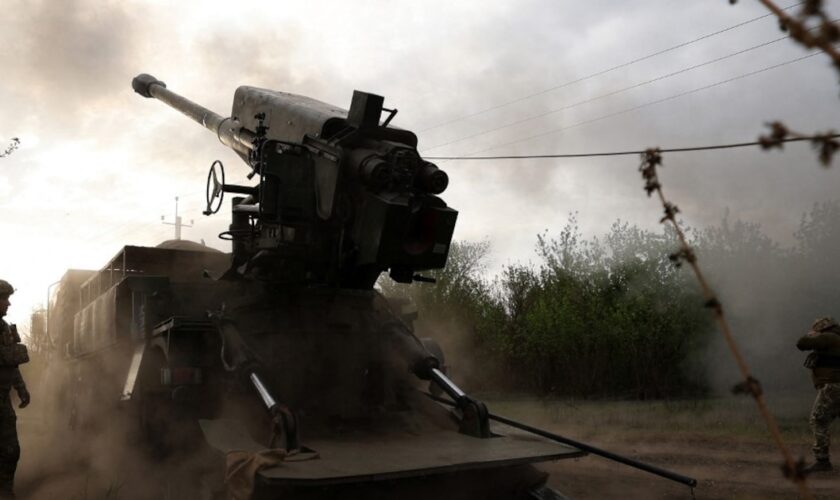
{"x":609,"y":317}
{"x":613,"y":316}
{"x":606,"y":317}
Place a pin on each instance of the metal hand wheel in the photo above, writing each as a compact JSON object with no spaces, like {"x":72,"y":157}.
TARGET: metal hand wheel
{"x":214,"y":192}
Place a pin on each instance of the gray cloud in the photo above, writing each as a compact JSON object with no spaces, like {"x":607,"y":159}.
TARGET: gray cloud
{"x":67,"y":57}
{"x":97,"y":156}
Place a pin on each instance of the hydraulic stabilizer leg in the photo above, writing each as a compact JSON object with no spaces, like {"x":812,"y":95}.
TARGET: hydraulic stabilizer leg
{"x":284,"y":423}
{"x":239,"y":358}
{"x":471,"y":413}
{"x":673,"y":476}
{"x":474,"y":420}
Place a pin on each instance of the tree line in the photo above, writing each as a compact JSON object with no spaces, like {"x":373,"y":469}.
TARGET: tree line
{"x":613,"y":316}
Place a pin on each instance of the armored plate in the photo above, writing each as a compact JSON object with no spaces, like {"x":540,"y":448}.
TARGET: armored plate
{"x":368,"y":458}
{"x":288,"y":116}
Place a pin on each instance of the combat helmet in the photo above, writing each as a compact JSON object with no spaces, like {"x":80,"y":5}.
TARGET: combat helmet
{"x":6,"y":288}
{"x":823,"y":324}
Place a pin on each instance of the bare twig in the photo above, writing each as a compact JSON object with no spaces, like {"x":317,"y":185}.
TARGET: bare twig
{"x":826,"y":34}
{"x":827,"y":147}
{"x":13,"y":145}
{"x":763,"y":142}
{"x":812,"y":28}
{"x":826,"y":143}
{"x":652,"y":158}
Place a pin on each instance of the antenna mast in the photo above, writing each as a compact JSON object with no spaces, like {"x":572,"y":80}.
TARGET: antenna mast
{"x":178,"y":222}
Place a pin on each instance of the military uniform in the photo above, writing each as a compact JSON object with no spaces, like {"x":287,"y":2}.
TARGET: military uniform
{"x":824,"y":362}
{"x":12,"y":354}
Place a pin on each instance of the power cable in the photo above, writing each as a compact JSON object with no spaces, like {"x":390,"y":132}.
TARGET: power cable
{"x":628,"y":153}
{"x":605,"y":71}
{"x":641,"y":106}
{"x":609,"y":94}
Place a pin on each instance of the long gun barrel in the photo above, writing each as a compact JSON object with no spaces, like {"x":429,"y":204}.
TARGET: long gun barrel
{"x":228,"y":130}
{"x":341,"y":196}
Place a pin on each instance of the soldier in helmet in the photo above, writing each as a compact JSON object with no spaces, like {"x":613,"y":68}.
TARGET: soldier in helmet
{"x":824,"y":340}
{"x":12,"y":354}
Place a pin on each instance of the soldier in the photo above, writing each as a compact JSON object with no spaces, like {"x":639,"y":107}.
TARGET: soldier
{"x":824,"y":340}
{"x":12,"y":354}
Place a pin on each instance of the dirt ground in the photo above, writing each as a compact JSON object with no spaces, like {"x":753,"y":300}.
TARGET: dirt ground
{"x":720,"y":442}
{"x":724,"y":469}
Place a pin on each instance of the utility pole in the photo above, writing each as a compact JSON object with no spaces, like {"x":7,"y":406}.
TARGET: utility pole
{"x":178,"y":224}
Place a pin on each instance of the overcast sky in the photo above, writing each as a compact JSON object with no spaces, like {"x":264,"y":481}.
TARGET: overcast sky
{"x":98,"y":165}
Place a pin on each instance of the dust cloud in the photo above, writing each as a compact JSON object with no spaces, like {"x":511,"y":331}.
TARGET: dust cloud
{"x":92,"y":449}
{"x":771,"y":294}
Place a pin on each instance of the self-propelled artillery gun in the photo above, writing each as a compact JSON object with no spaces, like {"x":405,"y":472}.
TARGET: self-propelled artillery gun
{"x":282,"y":353}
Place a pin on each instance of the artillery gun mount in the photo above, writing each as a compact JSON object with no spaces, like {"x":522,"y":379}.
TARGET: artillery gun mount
{"x":284,"y":343}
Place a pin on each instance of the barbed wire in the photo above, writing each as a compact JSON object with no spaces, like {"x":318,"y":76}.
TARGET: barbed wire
{"x":793,"y":470}
{"x":13,"y":145}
